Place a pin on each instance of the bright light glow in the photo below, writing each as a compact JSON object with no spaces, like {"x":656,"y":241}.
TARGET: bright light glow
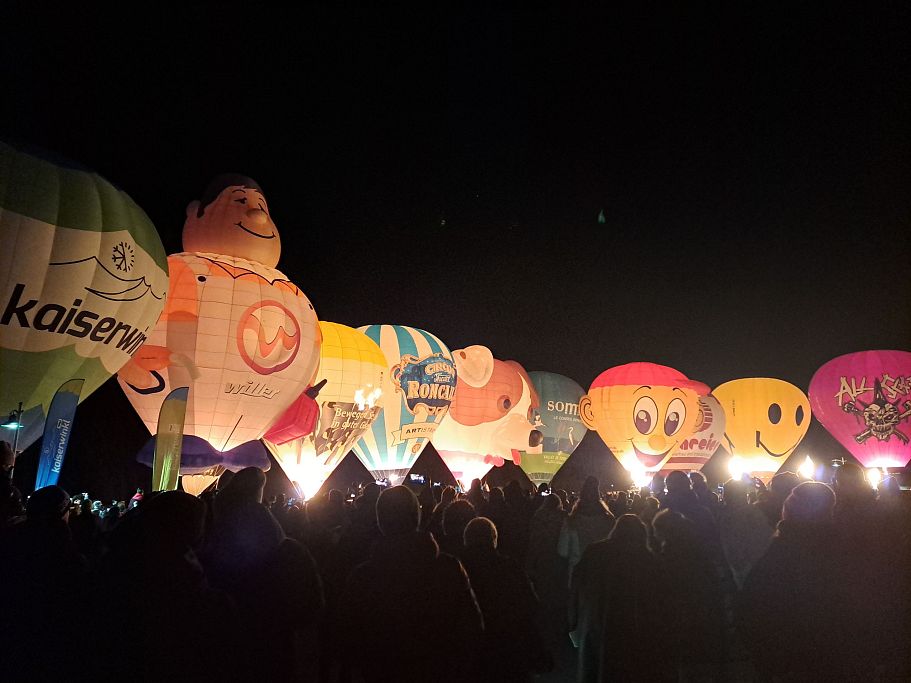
{"x":393,"y":478}
{"x":874,"y":476}
{"x":736,"y":467}
{"x":369,"y":400}
{"x":639,"y":476}
{"x":12,"y":425}
{"x":807,"y":469}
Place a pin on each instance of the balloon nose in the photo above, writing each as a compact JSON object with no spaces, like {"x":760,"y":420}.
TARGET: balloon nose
{"x":535,"y":438}
{"x":256,"y":217}
{"x":657,"y":443}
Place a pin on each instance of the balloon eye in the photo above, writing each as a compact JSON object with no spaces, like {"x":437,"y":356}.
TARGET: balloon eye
{"x":775,"y":414}
{"x":201,"y":278}
{"x":504,"y":403}
{"x":799,"y":416}
{"x":676,"y":414}
{"x":645,"y":415}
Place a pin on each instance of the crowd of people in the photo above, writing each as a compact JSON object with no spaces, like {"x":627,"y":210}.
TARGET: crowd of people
{"x":798,"y":582}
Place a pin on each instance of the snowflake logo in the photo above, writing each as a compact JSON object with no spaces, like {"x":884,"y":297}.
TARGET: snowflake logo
{"x":122,"y":256}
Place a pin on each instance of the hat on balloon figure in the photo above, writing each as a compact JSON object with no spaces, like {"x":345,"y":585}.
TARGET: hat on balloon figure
{"x":235,"y":330}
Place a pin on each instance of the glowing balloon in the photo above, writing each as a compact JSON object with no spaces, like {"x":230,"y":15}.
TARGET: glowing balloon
{"x":84,"y":277}
{"x":557,"y":418}
{"x":354,"y":368}
{"x":642,"y":411}
{"x":234,"y":330}
{"x":766,"y":420}
{"x":417,"y":390}
{"x":864,"y":400}
{"x":692,"y":453}
{"x":490,"y":417}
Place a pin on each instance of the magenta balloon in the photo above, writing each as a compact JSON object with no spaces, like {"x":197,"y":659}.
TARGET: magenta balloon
{"x":864,"y":400}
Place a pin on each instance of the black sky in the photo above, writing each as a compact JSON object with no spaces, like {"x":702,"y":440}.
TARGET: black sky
{"x":753,"y":167}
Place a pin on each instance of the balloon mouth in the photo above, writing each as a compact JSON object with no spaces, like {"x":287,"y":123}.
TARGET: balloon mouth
{"x":535,"y":438}
{"x":240,"y":225}
{"x":648,"y":459}
{"x":761,"y":445}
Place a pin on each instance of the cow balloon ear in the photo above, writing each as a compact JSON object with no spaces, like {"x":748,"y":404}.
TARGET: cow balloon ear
{"x":474,"y":365}
{"x":586,"y":412}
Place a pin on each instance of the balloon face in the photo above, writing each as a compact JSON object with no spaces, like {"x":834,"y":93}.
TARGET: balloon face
{"x":864,"y":400}
{"x":240,"y":335}
{"x":490,"y":420}
{"x":643,"y":412}
{"x":84,"y":277}
{"x":354,"y":368}
{"x":766,"y":420}
{"x":233,"y":219}
{"x":691,"y":454}
{"x":418,"y":387}
{"x":557,"y":418}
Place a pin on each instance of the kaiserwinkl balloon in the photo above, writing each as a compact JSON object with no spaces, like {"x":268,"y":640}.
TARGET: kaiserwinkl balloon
{"x":417,"y":389}
{"x":490,"y":418}
{"x":354,"y":368}
{"x":864,"y":400}
{"x":84,"y":277}
{"x":692,"y":453}
{"x":642,"y":412}
{"x":557,"y":418}
{"x":235,"y":330}
{"x":765,"y":421}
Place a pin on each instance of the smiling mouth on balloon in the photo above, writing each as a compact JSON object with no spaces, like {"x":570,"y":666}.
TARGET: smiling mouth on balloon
{"x":759,"y":444}
{"x":255,"y":234}
{"x":648,"y":459}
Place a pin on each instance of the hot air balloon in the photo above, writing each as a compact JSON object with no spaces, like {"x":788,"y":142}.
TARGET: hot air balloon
{"x":354,"y":368}
{"x":557,"y":418}
{"x":490,"y":418}
{"x":697,"y":450}
{"x":642,"y":412}
{"x":765,"y":421}
{"x":84,"y":278}
{"x":417,"y":389}
{"x":235,"y":330}
{"x":864,"y":400}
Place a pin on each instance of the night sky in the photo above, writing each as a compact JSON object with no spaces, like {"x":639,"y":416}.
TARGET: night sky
{"x":447,"y":170}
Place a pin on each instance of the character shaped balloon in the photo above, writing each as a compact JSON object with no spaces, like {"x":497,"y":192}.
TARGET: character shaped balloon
{"x":864,"y":400}
{"x":557,"y":418}
{"x":237,"y":332}
{"x":490,"y":420}
{"x":643,"y":412}
{"x":417,"y":390}
{"x":353,"y":368}
{"x":83,"y":277}
{"x":766,"y":420}
{"x":691,"y":454}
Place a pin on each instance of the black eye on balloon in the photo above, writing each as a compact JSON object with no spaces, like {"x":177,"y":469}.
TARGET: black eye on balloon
{"x":645,"y":415}
{"x":201,"y":278}
{"x":504,"y":404}
{"x":799,"y":416}
{"x":676,"y":414}
{"x":774,"y":413}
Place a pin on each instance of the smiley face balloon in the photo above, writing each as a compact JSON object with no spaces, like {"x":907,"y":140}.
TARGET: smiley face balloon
{"x":642,"y":411}
{"x":766,"y":420}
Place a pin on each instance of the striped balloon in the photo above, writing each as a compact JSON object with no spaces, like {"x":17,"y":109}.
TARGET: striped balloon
{"x":417,"y":391}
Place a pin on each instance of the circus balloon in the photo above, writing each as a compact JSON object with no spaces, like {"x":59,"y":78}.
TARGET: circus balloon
{"x":766,"y":419}
{"x":418,"y":387}
{"x":235,"y":330}
{"x":557,"y":418}
{"x":354,"y":369}
{"x":694,"y":452}
{"x":490,"y":420}
{"x":642,"y":412}
{"x":84,"y":277}
{"x":864,"y":400}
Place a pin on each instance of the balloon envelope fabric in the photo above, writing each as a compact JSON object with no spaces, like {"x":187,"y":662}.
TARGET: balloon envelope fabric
{"x":354,"y":368}
{"x":691,"y":454}
{"x":84,"y":277}
{"x":864,"y":400}
{"x":417,"y":390}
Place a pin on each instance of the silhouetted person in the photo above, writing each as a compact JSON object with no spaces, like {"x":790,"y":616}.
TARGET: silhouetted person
{"x":682,"y":499}
{"x":745,"y":530}
{"x":616,"y":607}
{"x":435,"y":524}
{"x":773,"y":499}
{"x":408,"y":613}
{"x":708,"y":499}
{"x":511,"y":648}
{"x":589,"y":521}
{"x":476,"y":495}
{"x":455,"y":518}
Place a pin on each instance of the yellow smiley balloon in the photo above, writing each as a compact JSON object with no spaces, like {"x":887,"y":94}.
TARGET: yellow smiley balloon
{"x":642,"y":411}
{"x":766,"y":420}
